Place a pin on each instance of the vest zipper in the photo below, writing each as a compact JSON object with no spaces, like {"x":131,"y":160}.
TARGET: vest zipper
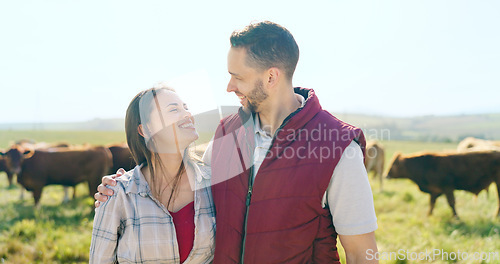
{"x":248,"y":200}
{"x":249,"y":197}
{"x":250,"y":185}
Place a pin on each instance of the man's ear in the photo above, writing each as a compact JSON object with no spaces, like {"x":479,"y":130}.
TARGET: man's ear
{"x":140,"y":130}
{"x":273,"y":76}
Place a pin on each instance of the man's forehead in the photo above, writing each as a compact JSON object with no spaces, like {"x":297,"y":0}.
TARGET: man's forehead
{"x":237,"y":63}
{"x":237,"y":53}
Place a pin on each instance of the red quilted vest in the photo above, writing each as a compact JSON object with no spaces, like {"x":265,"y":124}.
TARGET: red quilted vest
{"x":280,"y":218}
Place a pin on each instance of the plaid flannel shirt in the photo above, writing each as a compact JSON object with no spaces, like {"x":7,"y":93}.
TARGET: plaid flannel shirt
{"x":133,"y":227}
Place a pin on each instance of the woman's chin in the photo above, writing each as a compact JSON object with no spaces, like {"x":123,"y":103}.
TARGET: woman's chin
{"x":195,"y":137}
{"x":190,"y":138}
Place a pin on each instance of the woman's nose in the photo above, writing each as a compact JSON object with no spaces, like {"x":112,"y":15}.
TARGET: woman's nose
{"x":186,"y":114}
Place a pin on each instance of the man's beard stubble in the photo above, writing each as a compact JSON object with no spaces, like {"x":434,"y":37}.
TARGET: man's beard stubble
{"x":256,"y":96}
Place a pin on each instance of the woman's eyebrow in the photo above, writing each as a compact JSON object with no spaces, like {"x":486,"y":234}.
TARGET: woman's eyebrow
{"x":172,"y":104}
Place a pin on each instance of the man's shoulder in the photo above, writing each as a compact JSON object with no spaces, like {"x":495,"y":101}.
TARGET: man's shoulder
{"x":328,"y":118}
{"x":334,"y":127}
{"x":229,"y":118}
{"x":233,"y":122}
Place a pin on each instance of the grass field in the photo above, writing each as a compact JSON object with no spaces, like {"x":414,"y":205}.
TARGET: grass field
{"x":60,"y":233}
{"x":7,"y":137}
{"x":405,"y":227}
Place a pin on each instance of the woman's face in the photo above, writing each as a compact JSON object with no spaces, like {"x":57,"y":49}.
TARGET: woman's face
{"x":170,"y":123}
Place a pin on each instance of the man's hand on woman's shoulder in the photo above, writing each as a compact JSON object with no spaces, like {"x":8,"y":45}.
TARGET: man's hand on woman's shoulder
{"x":102,"y":191}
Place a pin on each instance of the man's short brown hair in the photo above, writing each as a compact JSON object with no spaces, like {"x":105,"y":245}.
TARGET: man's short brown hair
{"x":268,"y":45}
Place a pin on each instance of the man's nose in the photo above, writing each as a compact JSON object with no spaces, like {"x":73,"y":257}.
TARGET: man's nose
{"x":231,"y":87}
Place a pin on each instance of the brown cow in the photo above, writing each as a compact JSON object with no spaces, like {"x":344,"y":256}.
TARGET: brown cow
{"x":22,"y":149}
{"x":65,"y":167}
{"x":374,"y":160}
{"x":14,"y":157}
{"x":475,"y":144}
{"x":122,"y":158}
{"x":4,"y":168}
{"x":438,"y":173}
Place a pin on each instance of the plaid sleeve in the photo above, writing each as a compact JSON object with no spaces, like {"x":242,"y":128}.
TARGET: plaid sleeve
{"x":106,"y":229}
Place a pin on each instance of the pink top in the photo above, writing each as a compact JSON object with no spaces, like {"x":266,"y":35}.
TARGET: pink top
{"x":184,"y":228}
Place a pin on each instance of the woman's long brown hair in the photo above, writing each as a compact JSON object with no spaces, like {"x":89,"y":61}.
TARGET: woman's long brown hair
{"x":140,"y":151}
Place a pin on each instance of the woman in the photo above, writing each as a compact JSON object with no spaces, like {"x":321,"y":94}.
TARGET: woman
{"x":162,"y":210}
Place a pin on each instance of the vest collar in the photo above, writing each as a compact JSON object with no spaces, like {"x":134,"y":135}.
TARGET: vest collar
{"x":296,"y":119}
{"x":300,"y":117}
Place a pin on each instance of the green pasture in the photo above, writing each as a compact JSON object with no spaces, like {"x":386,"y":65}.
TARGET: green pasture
{"x":60,"y":232}
{"x":7,"y":137}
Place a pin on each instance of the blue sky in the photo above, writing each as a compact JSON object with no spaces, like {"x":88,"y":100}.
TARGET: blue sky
{"x":63,"y":61}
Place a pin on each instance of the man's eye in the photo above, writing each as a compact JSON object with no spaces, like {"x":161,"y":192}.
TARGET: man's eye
{"x":173,"y":110}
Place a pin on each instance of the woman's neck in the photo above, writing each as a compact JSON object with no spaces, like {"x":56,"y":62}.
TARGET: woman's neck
{"x":166,"y":167}
{"x":172,"y":192}
{"x":169,"y":163}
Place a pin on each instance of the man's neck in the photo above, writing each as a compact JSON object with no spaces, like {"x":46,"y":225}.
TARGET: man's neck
{"x":276,"y":110}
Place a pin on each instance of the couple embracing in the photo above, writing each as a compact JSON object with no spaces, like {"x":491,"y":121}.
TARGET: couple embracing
{"x":261,"y":193}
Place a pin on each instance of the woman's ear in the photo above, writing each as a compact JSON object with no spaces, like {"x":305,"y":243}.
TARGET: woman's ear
{"x":140,"y":130}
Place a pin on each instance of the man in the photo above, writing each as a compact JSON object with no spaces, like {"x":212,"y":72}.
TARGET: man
{"x":287,"y":176}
